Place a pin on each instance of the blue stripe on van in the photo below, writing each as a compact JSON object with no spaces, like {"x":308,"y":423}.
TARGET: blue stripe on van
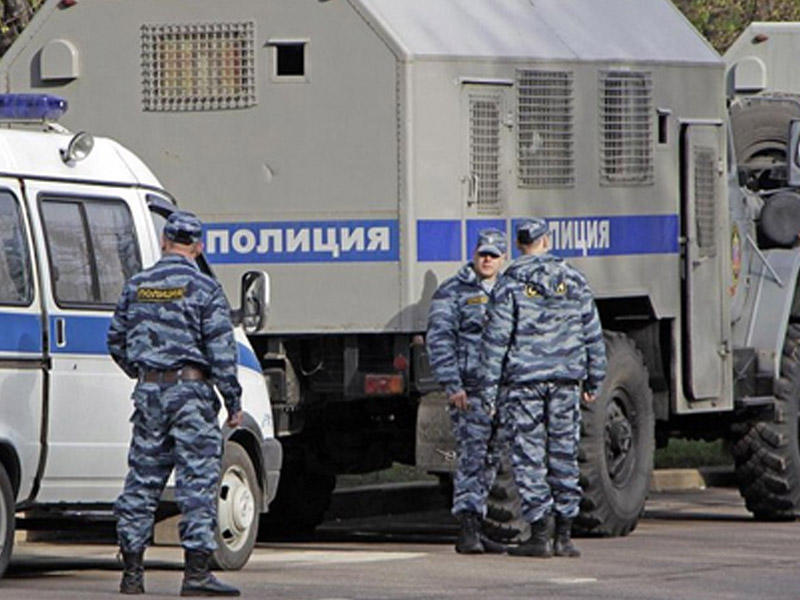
{"x":87,"y":335}
{"x":82,"y":334}
{"x":247,"y":358}
{"x":20,"y":333}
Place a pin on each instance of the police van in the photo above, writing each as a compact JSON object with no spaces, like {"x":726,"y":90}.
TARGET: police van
{"x":78,"y":216}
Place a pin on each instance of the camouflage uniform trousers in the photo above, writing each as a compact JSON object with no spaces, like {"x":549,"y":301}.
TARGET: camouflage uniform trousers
{"x":541,"y":428}
{"x":173,"y":426}
{"x":476,"y":459}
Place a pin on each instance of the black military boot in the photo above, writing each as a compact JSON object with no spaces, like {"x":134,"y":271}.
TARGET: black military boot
{"x":132,"y":573}
{"x":563,"y":542}
{"x":540,"y":544}
{"x":198,"y":580}
{"x":469,"y":541}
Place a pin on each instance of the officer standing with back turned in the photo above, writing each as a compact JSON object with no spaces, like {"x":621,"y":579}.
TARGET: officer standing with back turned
{"x":172,"y":331}
{"x":543,"y":344}
{"x":455,"y":327}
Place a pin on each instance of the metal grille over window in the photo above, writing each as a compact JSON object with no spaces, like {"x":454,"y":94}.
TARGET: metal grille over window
{"x":485,"y":153}
{"x":626,"y":130}
{"x":704,"y":195}
{"x":544,"y":132}
{"x":198,"y":67}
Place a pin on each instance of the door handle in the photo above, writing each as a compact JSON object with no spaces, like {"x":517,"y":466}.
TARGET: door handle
{"x":61,"y":332}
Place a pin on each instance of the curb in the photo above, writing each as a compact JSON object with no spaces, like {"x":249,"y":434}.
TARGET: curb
{"x":677,"y":480}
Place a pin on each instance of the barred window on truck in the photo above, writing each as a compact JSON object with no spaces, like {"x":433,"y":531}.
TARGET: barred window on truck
{"x":16,"y":285}
{"x":92,"y":247}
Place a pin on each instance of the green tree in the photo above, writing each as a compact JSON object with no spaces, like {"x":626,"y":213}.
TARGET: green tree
{"x":721,"y":21}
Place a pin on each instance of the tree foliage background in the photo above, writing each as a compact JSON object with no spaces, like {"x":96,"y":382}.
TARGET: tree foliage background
{"x":721,"y":21}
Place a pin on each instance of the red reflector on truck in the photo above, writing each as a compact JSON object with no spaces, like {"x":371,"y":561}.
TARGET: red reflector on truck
{"x":383,"y":385}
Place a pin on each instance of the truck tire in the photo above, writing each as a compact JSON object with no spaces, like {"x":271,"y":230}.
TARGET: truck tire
{"x":765,"y":450}
{"x":504,"y":522}
{"x":238,"y":505}
{"x":7,"y":523}
{"x":761,"y":131}
{"x":617,"y":444}
{"x":304,"y":494}
{"x":615,"y":457}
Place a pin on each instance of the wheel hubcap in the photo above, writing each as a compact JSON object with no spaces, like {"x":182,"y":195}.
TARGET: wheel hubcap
{"x":236,"y":508}
{"x":618,"y":440}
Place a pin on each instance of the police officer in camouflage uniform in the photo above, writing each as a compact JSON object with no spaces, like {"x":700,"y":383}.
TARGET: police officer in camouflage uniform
{"x":543,"y":345}
{"x":455,"y":327}
{"x":172,"y":331}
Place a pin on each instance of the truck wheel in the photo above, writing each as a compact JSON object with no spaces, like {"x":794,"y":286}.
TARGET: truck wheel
{"x":766,"y":450}
{"x":760,"y":130}
{"x":304,"y":494}
{"x":6,"y":520}
{"x":238,"y":508}
{"x":617,"y":444}
{"x":504,"y":522}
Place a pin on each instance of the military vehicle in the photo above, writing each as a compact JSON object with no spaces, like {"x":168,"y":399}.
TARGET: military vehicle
{"x":354,"y":148}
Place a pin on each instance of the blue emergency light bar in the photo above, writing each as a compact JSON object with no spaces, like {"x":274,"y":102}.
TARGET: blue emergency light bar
{"x":31,"y":107}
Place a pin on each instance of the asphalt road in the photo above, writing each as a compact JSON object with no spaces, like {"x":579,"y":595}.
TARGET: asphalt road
{"x":699,"y":545}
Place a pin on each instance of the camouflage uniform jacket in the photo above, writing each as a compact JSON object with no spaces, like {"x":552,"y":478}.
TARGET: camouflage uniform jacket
{"x":543,"y":326}
{"x":172,"y":315}
{"x":455,"y":327}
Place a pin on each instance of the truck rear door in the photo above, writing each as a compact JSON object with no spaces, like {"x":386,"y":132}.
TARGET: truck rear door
{"x":22,"y":365}
{"x":706,"y":326}
{"x":88,"y":237}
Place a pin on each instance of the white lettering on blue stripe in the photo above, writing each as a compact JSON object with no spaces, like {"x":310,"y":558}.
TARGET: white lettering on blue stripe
{"x":580,"y":234}
{"x":328,"y":239}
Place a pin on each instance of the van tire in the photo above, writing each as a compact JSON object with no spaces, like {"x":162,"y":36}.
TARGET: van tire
{"x":239,"y":505}
{"x":760,"y":130}
{"x":7,"y":523}
{"x":765,"y":449}
{"x":617,"y":444}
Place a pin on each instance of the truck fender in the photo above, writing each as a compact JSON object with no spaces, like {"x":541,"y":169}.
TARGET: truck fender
{"x":775,"y":280}
{"x":266,"y":454}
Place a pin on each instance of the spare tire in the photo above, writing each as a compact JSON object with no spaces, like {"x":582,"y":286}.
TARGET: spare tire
{"x":779,"y":224}
{"x":761,"y":129}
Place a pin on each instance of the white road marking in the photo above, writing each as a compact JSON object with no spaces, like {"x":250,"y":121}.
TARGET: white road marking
{"x":572,"y":580}
{"x":330,"y":556}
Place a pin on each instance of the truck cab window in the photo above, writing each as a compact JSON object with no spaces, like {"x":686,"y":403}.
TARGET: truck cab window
{"x":15,"y":270}
{"x":92,"y":247}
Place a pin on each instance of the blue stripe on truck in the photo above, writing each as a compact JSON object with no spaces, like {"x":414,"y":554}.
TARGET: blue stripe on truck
{"x":439,"y":240}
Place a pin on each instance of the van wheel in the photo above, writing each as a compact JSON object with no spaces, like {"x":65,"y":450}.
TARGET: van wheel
{"x":617,"y":444}
{"x":6,"y":519}
{"x":238,"y":506}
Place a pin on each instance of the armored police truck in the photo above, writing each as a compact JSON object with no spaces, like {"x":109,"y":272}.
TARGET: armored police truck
{"x":78,"y":216}
{"x":355,"y":147}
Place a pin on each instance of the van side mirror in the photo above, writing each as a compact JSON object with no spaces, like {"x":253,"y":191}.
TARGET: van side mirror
{"x":254,"y":309}
{"x":793,"y":154}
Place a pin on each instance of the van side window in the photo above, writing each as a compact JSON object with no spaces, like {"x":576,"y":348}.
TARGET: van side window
{"x":92,"y":247}
{"x":16,"y":285}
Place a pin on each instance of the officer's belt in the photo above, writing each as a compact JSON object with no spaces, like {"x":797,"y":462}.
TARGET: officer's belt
{"x":173,"y":376}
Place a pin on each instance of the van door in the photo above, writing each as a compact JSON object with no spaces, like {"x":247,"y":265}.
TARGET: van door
{"x":488,"y":120}
{"x":22,"y":354}
{"x":706,"y":359}
{"x":90,"y":242}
